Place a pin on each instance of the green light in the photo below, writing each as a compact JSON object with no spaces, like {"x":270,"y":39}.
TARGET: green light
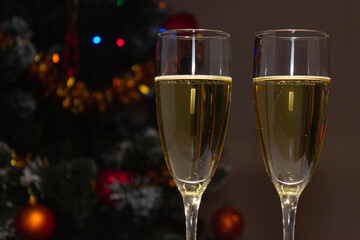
{"x":120,"y":3}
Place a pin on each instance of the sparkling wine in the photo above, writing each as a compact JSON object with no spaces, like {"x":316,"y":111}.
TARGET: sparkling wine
{"x":193,"y":113}
{"x":291,"y":116}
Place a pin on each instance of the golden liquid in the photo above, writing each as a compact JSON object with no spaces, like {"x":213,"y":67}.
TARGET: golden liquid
{"x":291,"y":116}
{"x":192,"y":116}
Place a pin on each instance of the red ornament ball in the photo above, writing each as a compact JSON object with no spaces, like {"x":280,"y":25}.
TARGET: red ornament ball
{"x":34,"y":222}
{"x":108,"y":177}
{"x":228,"y":222}
{"x":181,"y":21}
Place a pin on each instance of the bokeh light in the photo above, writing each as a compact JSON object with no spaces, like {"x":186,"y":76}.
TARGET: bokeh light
{"x":37,"y":58}
{"x":120,"y":42}
{"x":70,"y":82}
{"x":116,"y":82}
{"x":96,"y":39}
{"x":55,"y":58}
{"x":144,"y":89}
{"x":119,"y":3}
{"x":162,"y":4}
{"x":13,"y":162}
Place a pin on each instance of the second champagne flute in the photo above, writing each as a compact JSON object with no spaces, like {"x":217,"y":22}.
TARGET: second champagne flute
{"x":291,"y":92}
{"x":193,"y":93}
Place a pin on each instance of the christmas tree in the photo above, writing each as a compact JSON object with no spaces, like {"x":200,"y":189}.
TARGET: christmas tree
{"x":80,"y":155}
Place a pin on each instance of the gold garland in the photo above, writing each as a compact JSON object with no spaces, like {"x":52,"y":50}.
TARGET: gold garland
{"x":77,"y":97}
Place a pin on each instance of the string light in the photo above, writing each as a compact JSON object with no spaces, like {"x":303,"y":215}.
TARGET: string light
{"x":70,"y":82}
{"x":76,"y":101}
{"x":130,"y":83}
{"x":60,"y":92}
{"x":76,"y":97}
{"x":144,"y":89}
{"x":161,"y":30}
{"x":162,"y":4}
{"x":120,"y":42}
{"x":96,"y":39}
{"x":13,"y":158}
{"x":37,"y":58}
{"x":13,"y":162}
{"x":116,"y":82}
{"x":66,"y":102}
{"x":55,"y":58}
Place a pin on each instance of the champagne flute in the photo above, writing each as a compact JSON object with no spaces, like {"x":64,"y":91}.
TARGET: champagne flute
{"x":291,"y":92}
{"x":193,"y":94}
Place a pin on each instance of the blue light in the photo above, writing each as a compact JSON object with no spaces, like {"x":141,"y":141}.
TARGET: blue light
{"x":161,"y":30}
{"x":96,"y":40}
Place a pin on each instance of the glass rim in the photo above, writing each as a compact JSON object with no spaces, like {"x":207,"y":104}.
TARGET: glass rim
{"x":292,"y":33}
{"x":199,"y":34}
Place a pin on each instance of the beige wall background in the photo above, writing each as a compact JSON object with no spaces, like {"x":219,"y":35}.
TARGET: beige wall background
{"x":329,"y":207}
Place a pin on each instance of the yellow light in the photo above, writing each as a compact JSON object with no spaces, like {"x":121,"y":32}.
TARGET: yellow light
{"x":135,"y":68}
{"x":13,"y":162}
{"x":42,"y":67}
{"x":81,"y":108}
{"x":37,"y":58}
{"x":102,"y":107}
{"x":76,"y":101}
{"x":70,"y":82}
{"x":99,"y":96}
{"x":66,"y":102}
{"x":60,"y":92}
{"x":108,"y":95}
{"x":75,"y":110}
{"x":144,"y":89}
{"x":130,"y":83}
{"x":46,"y":162}
{"x":86,"y":94}
{"x":162,"y":4}
{"x":55,"y":58}
{"x":125,"y":100}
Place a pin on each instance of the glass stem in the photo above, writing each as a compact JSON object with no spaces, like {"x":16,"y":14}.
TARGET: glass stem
{"x":289,"y":206}
{"x":191,"y":205}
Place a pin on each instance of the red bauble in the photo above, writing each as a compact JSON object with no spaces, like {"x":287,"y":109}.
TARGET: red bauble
{"x":34,"y":222}
{"x":228,"y":222}
{"x":108,"y":177}
{"x":71,"y":52}
{"x":181,"y":21}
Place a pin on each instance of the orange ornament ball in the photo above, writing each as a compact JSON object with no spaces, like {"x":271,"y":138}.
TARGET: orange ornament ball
{"x":228,"y":222}
{"x":34,"y":222}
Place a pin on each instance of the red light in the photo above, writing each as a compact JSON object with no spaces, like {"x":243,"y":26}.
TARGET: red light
{"x":120,"y":42}
{"x":116,"y":82}
{"x":111,"y":179}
